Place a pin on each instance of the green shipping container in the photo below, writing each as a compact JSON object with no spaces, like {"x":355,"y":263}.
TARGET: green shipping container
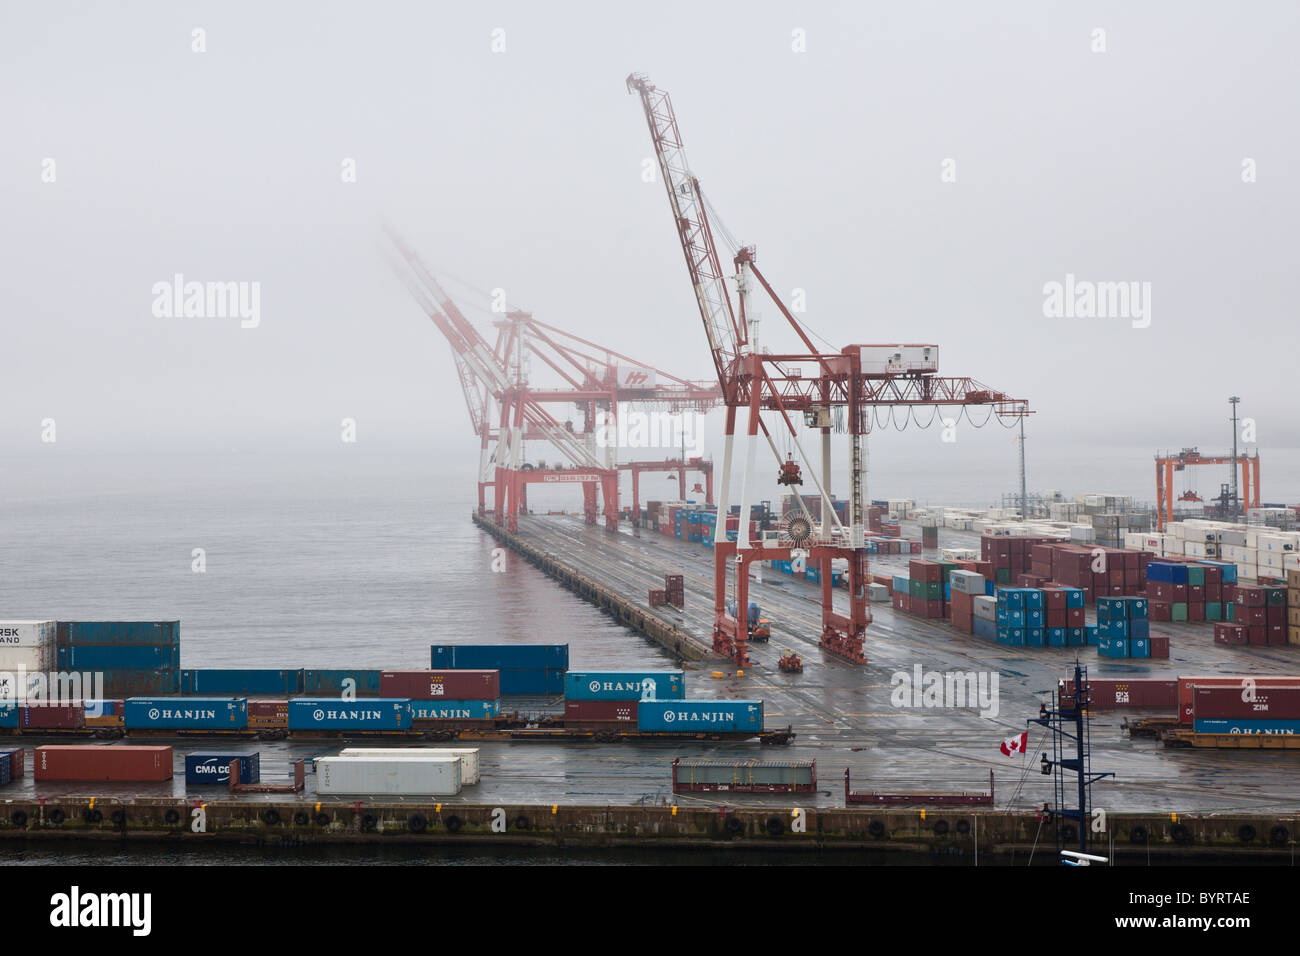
{"x":916,"y":589}
{"x":1195,"y":575}
{"x":1179,"y":610}
{"x":1004,"y":575}
{"x":933,"y":590}
{"x":1213,"y":611}
{"x":1229,"y":612}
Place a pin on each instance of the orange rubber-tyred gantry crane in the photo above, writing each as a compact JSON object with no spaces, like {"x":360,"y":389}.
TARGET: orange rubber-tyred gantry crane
{"x":1166,"y":465}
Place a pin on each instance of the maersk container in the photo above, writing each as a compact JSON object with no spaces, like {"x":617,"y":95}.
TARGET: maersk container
{"x":129,"y":657}
{"x":392,"y":776}
{"x":186,"y":713}
{"x":318,"y":683}
{"x":254,"y":681}
{"x":210,"y":769}
{"x":454,"y":709}
{"x":624,"y":685}
{"x":332,"y":713}
{"x":503,"y":657}
{"x":701,"y":716}
{"x":27,"y":633}
{"x":157,"y":633}
{"x":468,"y":756}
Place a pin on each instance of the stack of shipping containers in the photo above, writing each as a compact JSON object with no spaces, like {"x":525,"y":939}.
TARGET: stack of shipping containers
{"x":136,"y":657}
{"x":525,"y":668}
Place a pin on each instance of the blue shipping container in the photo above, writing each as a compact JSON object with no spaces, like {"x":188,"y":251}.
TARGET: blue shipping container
{"x":130,"y":657}
{"x":1216,"y":725}
{"x":255,"y":681}
{"x":503,"y":657}
{"x":518,"y":683}
{"x":332,"y":713}
{"x":8,"y":714}
{"x":455,"y":709}
{"x":985,"y":629}
{"x":321,"y":682}
{"x":193,"y":713}
{"x":701,"y":716}
{"x":117,"y":632}
{"x":624,"y":685}
{"x":206,"y":769}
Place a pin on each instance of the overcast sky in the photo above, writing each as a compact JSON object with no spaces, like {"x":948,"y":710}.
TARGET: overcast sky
{"x":521,"y":170}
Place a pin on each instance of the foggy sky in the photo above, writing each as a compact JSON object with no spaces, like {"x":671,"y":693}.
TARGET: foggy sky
{"x":522,"y":170}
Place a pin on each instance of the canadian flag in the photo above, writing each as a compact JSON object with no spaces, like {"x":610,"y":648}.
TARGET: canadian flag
{"x":1016,"y":745}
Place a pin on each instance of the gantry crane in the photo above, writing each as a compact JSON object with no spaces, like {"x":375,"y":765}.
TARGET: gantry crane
{"x":804,"y":382}
{"x":494,"y":378}
{"x":1168,"y":463}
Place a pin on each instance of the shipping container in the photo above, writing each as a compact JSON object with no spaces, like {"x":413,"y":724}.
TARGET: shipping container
{"x":158,"y":633}
{"x":52,"y":716}
{"x":1187,"y":688}
{"x":744,"y":776}
{"x":133,"y":657}
{"x":247,"y":681}
{"x":268,"y":711}
{"x":188,"y":713}
{"x":599,"y":714}
{"x":469,"y":760}
{"x":701,"y":716}
{"x":1213,"y":725}
{"x":12,"y":764}
{"x":442,"y":684}
{"x":423,"y":710}
{"x":391,"y":776}
{"x":1259,"y":702}
{"x":30,"y":634}
{"x":103,"y":763}
{"x":320,"y":683}
{"x":209,"y":769}
{"x":624,"y":685}
{"x":501,"y":657}
{"x":142,"y":683}
{"x":331,"y":713}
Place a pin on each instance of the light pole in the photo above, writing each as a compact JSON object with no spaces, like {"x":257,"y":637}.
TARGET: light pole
{"x":1236,"y":507}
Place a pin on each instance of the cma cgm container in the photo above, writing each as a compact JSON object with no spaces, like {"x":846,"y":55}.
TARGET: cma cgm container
{"x":700,"y":716}
{"x":469,"y":772}
{"x":103,"y":763}
{"x":454,"y":709}
{"x":157,"y":633}
{"x":331,"y":713}
{"x":186,"y":713}
{"x":364,"y":683}
{"x":395,"y":776}
{"x":204,"y":769}
{"x":443,"y":684}
{"x":257,"y":681}
{"x":624,"y":685}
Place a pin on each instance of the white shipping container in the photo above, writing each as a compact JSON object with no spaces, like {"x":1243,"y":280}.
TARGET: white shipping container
{"x":879,"y":594}
{"x":966,"y":582}
{"x":27,"y":634}
{"x":986,"y":607}
{"x":392,"y":776}
{"x":30,"y":659}
{"x":468,"y":756}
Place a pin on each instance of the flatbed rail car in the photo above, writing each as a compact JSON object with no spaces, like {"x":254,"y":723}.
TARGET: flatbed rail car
{"x":1150,"y":726}
{"x":918,"y":797}
{"x":1190,"y":738}
{"x":744,"y":776}
{"x":506,"y":727}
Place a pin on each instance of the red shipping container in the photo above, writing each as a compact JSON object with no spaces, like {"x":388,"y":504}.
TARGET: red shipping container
{"x":1276,"y":614}
{"x":1160,"y":648}
{"x":1196,"y":594}
{"x":268,"y":710}
{"x":1145,"y":694}
{"x":1196,"y":612}
{"x":1075,"y":616}
{"x":441,"y":684}
{"x":1213,"y":592}
{"x":620,"y":711}
{"x":103,"y":764}
{"x":1257,"y":634}
{"x":1161,"y":610}
{"x":1277,"y":634}
{"x":1251,"y":596}
{"x":1263,"y":702}
{"x":52,"y":716}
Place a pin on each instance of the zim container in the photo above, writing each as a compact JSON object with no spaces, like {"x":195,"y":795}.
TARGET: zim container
{"x":1259,"y":702}
{"x":1187,"y":688}
{"x":445,"y":684}
{"x":211,"y":769}
{"x":331,"y":713}
{"x":469,"y":763}
{"x":700,"y":716}
{"x":454,"y":709}
{"x":111,"y":763}
{"x":392,"y":776}
{"x":624,"y":685}
{"x":185,"y":713}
